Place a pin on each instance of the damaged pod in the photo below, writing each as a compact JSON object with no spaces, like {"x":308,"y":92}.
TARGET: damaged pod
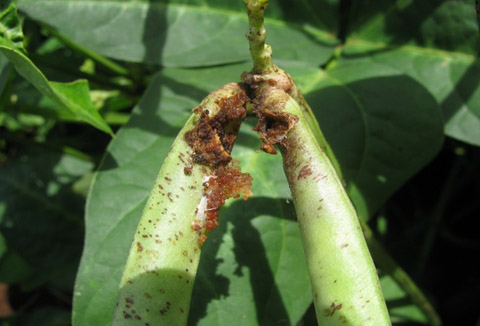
{"x":344,"y":280}
{"x":158,"y":278}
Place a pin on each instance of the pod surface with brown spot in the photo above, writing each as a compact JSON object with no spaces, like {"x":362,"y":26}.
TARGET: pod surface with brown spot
{"x":343,"y":277}
{"x":159,"y":274}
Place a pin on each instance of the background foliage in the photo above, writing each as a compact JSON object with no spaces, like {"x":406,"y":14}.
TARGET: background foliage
{"x":394,"y":85}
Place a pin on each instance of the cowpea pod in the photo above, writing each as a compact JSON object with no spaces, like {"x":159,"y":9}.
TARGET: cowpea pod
{"x":195,"y":179}
{"x":345,"y":285}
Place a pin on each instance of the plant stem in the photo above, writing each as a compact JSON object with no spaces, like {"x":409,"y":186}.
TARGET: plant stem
{"x":260,"y":51}
{"x":97,"y":79}
{"x":437,"y":217}
{"x":103,"y":61}
{"x":388,"y":265}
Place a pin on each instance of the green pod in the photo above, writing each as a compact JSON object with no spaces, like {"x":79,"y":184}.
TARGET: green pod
{"x":345,"y":285}
{"x":159,"y":274}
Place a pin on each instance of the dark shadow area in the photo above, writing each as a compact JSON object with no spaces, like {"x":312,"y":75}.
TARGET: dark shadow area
{"x":42,"y":225}
{"x":209,"y":285}
{"x":403,"y":25}
{"x":451,"y":276}
{"x":250,"y":253}
{"x":464,"y":89}
{"x":316,"y":13}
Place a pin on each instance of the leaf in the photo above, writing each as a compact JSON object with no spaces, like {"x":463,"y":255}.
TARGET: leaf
{"x":41,"y":217}
{"x":382,"y":126}
{"x":72,"y":96}
{"x":191,"y":33}
{"x":10,"y":29}
{"x":270,"y":286}
{"x":4,"y":72}
{"x":442,"y":24}
{"x":401,"y":309}
{"x":433,"y":42}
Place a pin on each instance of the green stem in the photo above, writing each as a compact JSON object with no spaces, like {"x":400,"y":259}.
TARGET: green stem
{"x":103,"y":61}
{"x":260,"y":51}
{"x":437,"y":217}
{"x":97,"y":79}
{"x":388,"y":265}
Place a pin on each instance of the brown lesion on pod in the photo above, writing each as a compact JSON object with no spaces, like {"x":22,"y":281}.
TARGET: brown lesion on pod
{"x":273,"y":123}
{"x":212,"y":139}
{"x":219,"y":119}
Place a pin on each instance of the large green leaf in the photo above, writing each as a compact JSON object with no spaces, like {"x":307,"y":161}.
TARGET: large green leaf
{"x":382,"y":125}
{"x":434,"y":42}
{"x":186,"y":33}
{"x":70,"y":96}
{"x":40,"y":217}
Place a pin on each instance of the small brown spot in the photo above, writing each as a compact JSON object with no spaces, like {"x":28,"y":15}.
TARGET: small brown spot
{"x":139,"y":247}
{"x":129,"y":300}
{"x":168,"y":179}
{"x":343,"y":246}
{"x":126,"y":315}
{"x":148,"y":295}
{"x":162,"y":291}
{"x":304,"y":172}
{"x":187,"y":170}
{"x":185,"y":253}
{"x":181,"y":310}
{"x":138,"y":317}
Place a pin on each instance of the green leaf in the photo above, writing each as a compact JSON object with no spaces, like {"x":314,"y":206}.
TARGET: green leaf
{"x":10,"y":29}
{"x":401,"y":309}
{"x":41,"y":216}
{"x":185,"y":33}
{"x":382,"y":126}
{"x":71,"y":96}
{"x":4,"y":72}
{"x":444,"y":24}
{"x":433,"y":42}
{"x":270,"y":286}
